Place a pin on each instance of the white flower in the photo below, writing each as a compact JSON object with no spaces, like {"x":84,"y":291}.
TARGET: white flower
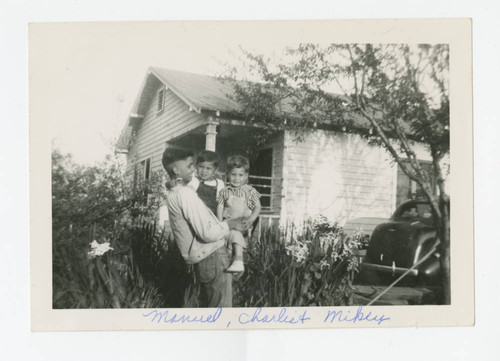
{"x":298,"y":250}
{"x":98,"y":249}
{"x":324,"y":264}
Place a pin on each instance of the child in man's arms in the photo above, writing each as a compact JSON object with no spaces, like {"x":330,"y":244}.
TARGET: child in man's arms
{"x":238,"y":199}
{"x":204,"y":182}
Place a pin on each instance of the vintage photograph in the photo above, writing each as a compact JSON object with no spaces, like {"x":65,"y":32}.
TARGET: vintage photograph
{"x":191,"y":173}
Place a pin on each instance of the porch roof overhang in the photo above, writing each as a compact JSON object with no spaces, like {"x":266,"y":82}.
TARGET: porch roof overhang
{"x":226,"y":128}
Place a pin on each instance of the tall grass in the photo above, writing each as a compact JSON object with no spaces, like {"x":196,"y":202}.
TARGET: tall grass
{"x":310,"y":268}
{"x":145,"y":269}
{"x":112,"y":280}
{"x":159,"y":260}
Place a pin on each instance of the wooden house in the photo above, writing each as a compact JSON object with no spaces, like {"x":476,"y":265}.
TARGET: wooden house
{"x":328,"y":172}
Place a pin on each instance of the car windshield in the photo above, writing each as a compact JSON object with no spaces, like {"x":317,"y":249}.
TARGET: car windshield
{"x":414,"y":210}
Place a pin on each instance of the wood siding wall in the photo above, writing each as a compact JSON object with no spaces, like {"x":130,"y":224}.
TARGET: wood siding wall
{"x":156,"y":129}
{"x":337,"y":175}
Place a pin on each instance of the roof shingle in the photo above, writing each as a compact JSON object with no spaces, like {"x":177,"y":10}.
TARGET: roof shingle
{"x":204,"y":92}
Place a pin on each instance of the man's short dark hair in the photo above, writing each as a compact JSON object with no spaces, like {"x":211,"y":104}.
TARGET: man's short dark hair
{"x":171,"y":155}
{"x":208,"y":156}
{"x":237,"y":161}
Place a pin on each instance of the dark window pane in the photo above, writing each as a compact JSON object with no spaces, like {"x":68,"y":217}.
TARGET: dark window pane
{"x":261,"y":171}
{"x":147,"y":169}
{"x":408,"y":189}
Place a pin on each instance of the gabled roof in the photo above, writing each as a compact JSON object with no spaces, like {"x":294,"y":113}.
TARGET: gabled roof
{"x":200,"y":92}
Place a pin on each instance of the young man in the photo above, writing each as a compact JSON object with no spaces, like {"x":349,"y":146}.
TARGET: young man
{"x":200,"y":236}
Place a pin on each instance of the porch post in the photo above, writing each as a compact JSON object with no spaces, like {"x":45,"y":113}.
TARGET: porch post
{"x":211,"y":134}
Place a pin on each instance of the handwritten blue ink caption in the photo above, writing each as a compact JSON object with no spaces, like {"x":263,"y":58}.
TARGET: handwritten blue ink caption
{"x":281,"y":317}
{"x":260,"y":316}
{"x":171,"y":317}
{"x":347,"y":316}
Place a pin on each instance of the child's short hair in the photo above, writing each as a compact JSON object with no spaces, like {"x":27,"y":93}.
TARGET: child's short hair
{"x":208,"y":156}
{"x":237,"y":161}
{"x":172,"y":155}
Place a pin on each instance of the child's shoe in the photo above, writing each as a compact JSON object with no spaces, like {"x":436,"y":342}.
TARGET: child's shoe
{"x":236,"y":267}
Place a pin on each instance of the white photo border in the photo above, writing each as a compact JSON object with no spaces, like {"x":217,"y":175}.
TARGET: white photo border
{"x":455,"y":32}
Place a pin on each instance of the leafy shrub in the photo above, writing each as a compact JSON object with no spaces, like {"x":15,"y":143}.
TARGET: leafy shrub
{"x":100,"y":196}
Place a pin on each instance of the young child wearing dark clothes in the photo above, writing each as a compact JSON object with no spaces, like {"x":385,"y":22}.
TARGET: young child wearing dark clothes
{"x":204,"y":182}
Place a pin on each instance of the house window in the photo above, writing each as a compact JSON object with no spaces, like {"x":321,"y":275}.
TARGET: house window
{"x":161,"y":100}
{"x":147,"y":168}
{"x":408,"y":189}
{"x":142,"y":171}
{"x":261,"y":173}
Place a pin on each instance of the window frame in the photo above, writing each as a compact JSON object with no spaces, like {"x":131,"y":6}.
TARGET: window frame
{"x":272,"y":181}
{"x":147,"y":169}
{"x":142,"y":170}
{"x":160,"y":98}
{"x":411,"y":185}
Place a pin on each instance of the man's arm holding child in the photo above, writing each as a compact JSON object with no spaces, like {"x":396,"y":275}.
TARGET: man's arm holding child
{"x":220,"y":211}
{"x":220,"y":204}
{"x":206,"y":226}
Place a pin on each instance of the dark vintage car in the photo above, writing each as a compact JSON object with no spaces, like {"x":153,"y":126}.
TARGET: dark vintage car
{"x":397,"y":245}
